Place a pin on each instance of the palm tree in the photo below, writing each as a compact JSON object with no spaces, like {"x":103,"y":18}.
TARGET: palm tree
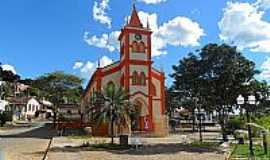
{"x":112,"y":106}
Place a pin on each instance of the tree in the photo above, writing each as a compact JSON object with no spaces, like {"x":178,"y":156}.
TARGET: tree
{"x":187,"y":81}
{"x":26,"y":81}
{"x":226,"y":71}
{"x":3,"y":118}
{"x":261,"y":91}
{"x":113,"y":107}
{"x":172,"y":102}
{"x":9,"y":76}
{"x":58,"y":87}
{"x":215,"y":78}
{"x":6,"y":90}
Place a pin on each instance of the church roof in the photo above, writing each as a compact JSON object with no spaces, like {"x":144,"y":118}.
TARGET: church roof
{"x":135,"y":20}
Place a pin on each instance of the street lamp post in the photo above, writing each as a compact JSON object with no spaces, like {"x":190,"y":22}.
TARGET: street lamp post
{"x":199,"y":116}
{"x":1,"y":89}
{"x":251,"y":101}
{"x":200,"y":123}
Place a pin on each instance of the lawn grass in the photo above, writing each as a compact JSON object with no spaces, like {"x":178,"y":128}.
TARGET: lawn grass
{"x":242,"y":151}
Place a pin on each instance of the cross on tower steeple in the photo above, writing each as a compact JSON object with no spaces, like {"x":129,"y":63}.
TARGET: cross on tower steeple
{"x":134,"y":2}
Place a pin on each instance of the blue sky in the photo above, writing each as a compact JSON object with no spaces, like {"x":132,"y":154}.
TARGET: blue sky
{"x":40,"y":36}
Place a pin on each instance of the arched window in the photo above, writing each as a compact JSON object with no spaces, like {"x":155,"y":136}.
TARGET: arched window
{"x":134,"y":78}
{"x":142,"y":79}
{"x":122,"y":49}
{"x":153,"y":90}
{"x":111,"y":85}
{"x":135,"y":46}
{"x":122,"y":80}
{"x":141,"y":47}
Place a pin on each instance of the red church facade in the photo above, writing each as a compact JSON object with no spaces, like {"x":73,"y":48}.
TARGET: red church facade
{"x":134,"y":72}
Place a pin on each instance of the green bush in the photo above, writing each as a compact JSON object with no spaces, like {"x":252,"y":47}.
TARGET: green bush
{"x":240,"y":134}
{"x":235,"y":123}
{"x":264,"y":121}
{"x":4,"y":117}
{"x":37,"y":114}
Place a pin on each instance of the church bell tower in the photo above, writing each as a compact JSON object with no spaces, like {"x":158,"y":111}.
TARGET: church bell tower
{"x":135,"y":50}
{"x":135,"y":55}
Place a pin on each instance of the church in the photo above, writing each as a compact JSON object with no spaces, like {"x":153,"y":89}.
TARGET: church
{"x":134,"y":73}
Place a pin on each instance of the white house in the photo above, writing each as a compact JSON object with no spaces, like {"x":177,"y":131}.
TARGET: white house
{"x":31,"y":107}
{"x":3,"y":104}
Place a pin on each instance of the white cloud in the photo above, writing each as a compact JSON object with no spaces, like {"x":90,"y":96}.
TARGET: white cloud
{"x":243,"y":25}
{"x":180,"y":31}
{"x":99,"y":12}
{"x":78,"y":65}
{"x":7,"y":67}
{"x":177,"y":31}
{"x":88,"y":68}
{"x":152,"y":1}
{"x":263,"y":4}
{"x":104,"y":61}
{"x":265,"y":74}
{"x":107,"y":41}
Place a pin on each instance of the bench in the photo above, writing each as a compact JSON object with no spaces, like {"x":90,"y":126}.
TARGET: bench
{"x":136,"y":141}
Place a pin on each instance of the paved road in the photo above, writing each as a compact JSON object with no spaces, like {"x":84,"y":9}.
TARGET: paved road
{"x":29,"y":145}
{"x":21,"y":128}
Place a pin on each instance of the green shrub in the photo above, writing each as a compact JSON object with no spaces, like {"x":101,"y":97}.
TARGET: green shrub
{"x":264,"y":121}
{"x":240,"y":134}
{"x":4,"y":117}
{"x":37,"y":114}
{"x":235,"y":123}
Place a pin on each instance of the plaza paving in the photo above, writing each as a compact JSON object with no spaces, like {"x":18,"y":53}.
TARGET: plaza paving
{"x":31,"y":144}
{"x":168,"y":148}
{"x":158,"y":152}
